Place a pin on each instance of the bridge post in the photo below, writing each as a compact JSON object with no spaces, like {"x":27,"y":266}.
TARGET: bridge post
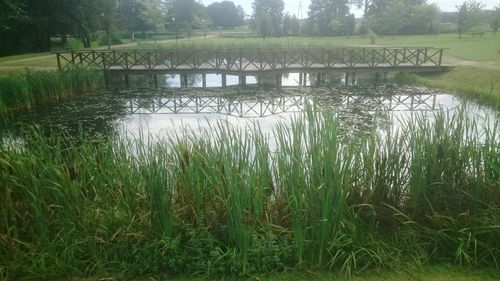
{"x":224,"y":81}
{"x":279,"y":80}
{"x":127,"y":81}
{"x":184,"y":80}
{"x":318,"y":79}
{"x":59,"y":61}
{"x":155,"y":80}
{"x":242,"y":80}
{"x":347,"y":78}
{"x":204,"y":80}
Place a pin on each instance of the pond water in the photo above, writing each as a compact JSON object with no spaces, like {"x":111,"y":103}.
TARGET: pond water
{"x":177,"y":102}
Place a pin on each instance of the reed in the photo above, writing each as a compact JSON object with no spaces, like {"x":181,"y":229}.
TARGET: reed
{"x":30,"y":88}
{"x":222,"y":202}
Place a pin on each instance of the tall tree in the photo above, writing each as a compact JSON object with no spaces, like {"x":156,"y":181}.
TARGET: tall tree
{"x":224,"y":14}
{"x":468,"y":16}
{"x":269,"y":12}
{"x":128,"y":16}
{"x":325,"y":12}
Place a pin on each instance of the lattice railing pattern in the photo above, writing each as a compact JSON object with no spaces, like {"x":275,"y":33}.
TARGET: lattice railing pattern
{"x":256,"y":60}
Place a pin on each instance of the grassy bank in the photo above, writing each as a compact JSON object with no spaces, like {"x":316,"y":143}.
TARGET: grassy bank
{"x":220,"y":203}
{"x":29,"y":88}
{"x":480,"y":84}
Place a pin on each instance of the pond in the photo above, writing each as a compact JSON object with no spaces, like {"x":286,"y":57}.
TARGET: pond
{"x":364,"y":102}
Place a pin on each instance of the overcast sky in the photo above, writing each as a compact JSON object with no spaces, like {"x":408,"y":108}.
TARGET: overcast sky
{"x":292,"y":6}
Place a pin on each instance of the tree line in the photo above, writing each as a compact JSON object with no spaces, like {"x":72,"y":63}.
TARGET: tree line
{"x":34,"y":25}
{"x":384,"y":17}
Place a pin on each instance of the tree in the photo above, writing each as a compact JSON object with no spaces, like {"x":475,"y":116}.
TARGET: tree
{"x":224,"y":14}
{"x":495,"y":20}
{"x":107,"y":18}
{"x":152,"y":15}
{"x":12,"y":12}
{"x":287,"y":25}
{"x":392,"y":18}
{"x":329,"y":14}
{"x":422,"y":19}
{"x":295,"y":26}
{"x":241,"y":14}
{"x":264,"y":26}
{"x":269,"y":12}
{"x":203,"y":23}
{"x":468,"y":16}
{"x":128,"y":16}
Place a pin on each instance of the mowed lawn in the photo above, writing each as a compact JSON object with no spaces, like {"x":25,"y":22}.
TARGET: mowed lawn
{"x":479,"y":49}
{"x":476,"y":59}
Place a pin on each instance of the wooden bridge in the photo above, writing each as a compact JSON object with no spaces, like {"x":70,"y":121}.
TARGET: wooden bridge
{"x":255,"y":61}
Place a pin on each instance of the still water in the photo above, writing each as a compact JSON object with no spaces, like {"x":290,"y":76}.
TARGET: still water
{"x":177,"y":102}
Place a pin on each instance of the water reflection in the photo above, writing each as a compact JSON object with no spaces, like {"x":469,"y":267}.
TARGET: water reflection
{"x":199,"y":101}
{"x":218,"y":80}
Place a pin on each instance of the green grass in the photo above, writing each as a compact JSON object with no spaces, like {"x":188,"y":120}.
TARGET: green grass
{"x":29,"y":88}
{"x":482,"y":49}
{"x":474,"y":83}
{"x":427,"y":273}
{"x":221,"y":203}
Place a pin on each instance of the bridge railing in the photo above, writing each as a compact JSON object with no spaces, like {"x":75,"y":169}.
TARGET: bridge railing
{"x":252,"y":60}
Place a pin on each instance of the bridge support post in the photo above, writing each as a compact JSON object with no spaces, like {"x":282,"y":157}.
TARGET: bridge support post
{"x":300,"y":78}
{"x":353,"y":78}
{"x":279,"y":80}
{"x":204,"y":80}
{"x":242,"y":80}
{"x":127,"y":81}
{"x":224,"y":80}
{"x":155,"y":80}
{"x":304,"y":79}
{"x":184,"y":80}
{"x":347,"y":78}
{"x":318,"y":79}
{"x":384,"y":77}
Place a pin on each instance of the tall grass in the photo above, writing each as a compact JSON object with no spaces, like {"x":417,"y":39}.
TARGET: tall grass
{"x":220,"y":202}
{"x":30,"y":88}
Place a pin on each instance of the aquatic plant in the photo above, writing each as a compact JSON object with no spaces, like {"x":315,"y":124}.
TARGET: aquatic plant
{"x":222,"y":202}
{"x":30,"y":88}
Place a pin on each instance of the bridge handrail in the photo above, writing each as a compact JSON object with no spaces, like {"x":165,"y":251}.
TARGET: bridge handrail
{"x":226,"y":59}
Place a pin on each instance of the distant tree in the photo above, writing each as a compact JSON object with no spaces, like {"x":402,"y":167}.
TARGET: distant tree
{"x":295,"y":25}
{"x":269,"y":12}
{"x":392,"y":18}
{"x":241,"y":14}
{"x":495,"y":20}
{"x":422,"y":19}
{"x":224,"y":14}
{"x":329,"y":16}
{"x":468,"y":16}
{"x":287,"y":24}
{"x":152,"y":15}
{"x":12,"y":12}
{"x":128,"y":16}
{"x":264,"y":28}
{"x":107,"y":15}
{"x":204,"y":24}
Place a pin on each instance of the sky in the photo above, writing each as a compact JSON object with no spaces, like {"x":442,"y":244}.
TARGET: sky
{"x":292,"y":6}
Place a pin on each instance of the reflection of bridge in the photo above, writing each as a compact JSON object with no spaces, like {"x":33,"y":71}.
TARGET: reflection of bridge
{"x":278,"y":105}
